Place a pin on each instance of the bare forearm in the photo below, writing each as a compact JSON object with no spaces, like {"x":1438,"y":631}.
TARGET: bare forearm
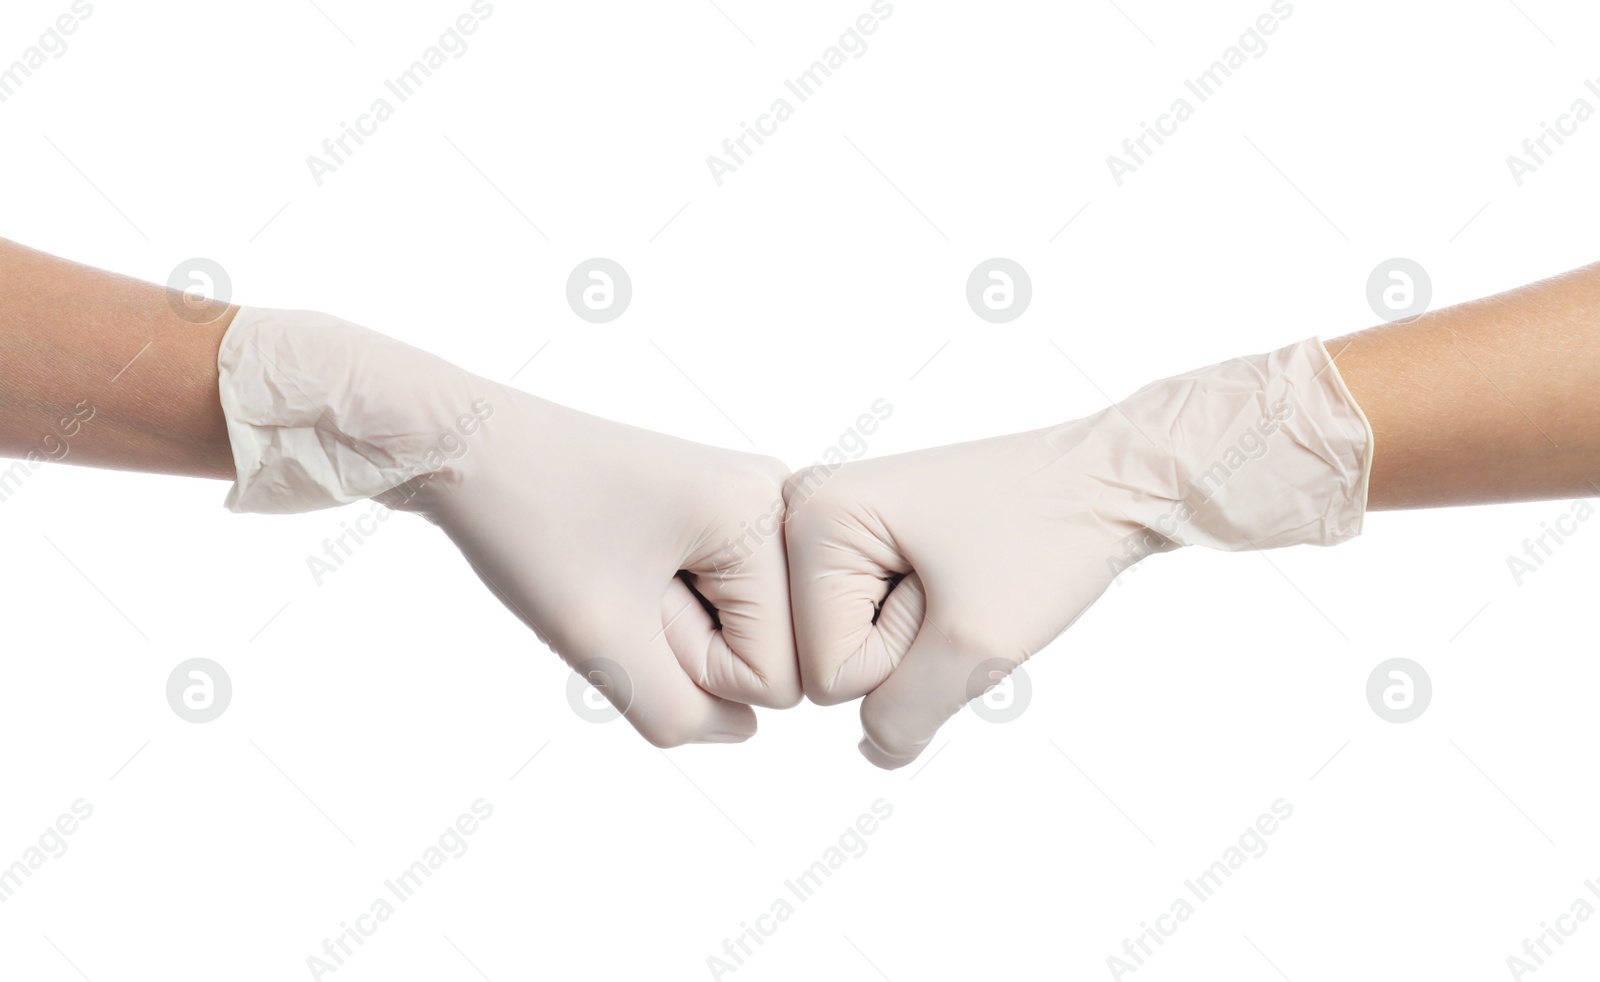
{"x":76,"y":340}
{"x":1492,"y":400}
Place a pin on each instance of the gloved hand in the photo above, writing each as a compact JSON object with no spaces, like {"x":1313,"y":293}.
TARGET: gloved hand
{"x":601,"y":537}
{"x":920,"y":580}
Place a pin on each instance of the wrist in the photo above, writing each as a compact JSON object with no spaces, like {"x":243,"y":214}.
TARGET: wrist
{"x":1265,"y":450}
{"x":322,"y":412}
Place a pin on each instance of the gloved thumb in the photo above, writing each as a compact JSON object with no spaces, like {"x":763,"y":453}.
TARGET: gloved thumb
{"x":941,"y":673}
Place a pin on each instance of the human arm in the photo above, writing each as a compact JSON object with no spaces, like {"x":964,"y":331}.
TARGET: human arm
{"x":920,"y":579}
{"x":75,"y":339}
{"x":625,"y":550}
{"x":1493,"y":400}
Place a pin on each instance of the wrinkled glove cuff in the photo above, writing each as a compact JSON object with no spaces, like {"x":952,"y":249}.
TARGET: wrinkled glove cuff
{"x":1268,"y":450}
{"x":322,"y":412}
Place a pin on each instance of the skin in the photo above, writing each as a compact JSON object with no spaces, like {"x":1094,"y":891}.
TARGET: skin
{"x":1488,"y":401}
{"x":67,"y":331}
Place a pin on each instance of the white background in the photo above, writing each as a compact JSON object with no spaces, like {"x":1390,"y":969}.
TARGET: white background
{"x":370,"y":711}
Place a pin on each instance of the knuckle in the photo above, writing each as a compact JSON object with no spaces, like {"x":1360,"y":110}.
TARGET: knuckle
{"x":783,"y":692}
{"x":772,"y":470}
{"x":822,"y":689}
{"x":811,"y":511}
{"x":758,"y":478}
{"x":751,"y":490}
{"x":807,"y":486}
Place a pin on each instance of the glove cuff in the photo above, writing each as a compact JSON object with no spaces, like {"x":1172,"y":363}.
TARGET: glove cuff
{"x":322,"y":412}
{"x":1269,"y":450}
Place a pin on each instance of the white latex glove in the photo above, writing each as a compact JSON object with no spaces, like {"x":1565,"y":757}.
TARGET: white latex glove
{"x":579,"y":525}
{"x":1003,"y":543}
